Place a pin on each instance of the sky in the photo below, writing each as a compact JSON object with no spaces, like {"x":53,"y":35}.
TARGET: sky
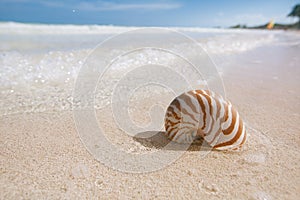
{"x":199,"y":13}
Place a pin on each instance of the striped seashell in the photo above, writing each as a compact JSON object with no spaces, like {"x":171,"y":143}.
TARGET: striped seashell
{"x":204,"y":114}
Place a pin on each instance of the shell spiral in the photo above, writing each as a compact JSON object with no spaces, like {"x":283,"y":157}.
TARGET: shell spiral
{"x":202,"y":113}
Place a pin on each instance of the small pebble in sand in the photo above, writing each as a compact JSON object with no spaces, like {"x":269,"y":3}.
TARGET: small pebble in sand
{"x":255,"y":159}
{"x":208,"y":187}
{"x":261,"y":195}
{"x":99,"y":183}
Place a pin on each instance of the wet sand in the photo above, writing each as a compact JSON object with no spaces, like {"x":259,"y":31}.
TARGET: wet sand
{"x":42,"y":155}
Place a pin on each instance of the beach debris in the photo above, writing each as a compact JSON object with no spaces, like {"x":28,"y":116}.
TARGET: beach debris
{"x":261,"y":195}
{"x":209,"y":188}
{"x":99,"y":183}
{"x":204,"y":114}
{"x":270,"y":25}
{"x":255,"y":159}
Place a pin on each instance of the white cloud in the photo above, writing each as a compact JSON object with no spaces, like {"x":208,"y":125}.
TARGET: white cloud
{"x":247,"y":19}
{"x":102,"y":5}
{"x":251,"y":19}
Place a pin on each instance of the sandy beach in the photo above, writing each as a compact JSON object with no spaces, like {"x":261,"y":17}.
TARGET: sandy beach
{"x":42,"y":156}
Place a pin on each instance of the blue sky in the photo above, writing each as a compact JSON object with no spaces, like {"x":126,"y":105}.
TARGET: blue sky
{"x":201,"y":13}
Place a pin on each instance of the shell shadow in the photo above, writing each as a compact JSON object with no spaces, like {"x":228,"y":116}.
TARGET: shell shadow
{"x":158,"y":140}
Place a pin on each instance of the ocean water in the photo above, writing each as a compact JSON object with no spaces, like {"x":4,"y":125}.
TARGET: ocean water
{"x":39,"y":64}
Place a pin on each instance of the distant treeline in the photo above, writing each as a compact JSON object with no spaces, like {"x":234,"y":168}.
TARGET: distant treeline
{"x":295,"y":12}
{"x":264,"y":26}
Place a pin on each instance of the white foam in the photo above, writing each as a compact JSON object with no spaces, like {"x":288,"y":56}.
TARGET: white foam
{"x":39,"y":63}
{"x":20,"y":28}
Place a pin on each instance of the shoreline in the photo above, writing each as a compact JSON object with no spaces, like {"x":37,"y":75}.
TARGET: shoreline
{"x":42,"y":155}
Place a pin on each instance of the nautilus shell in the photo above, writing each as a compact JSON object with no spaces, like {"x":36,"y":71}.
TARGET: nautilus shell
{"x":204,"y":114}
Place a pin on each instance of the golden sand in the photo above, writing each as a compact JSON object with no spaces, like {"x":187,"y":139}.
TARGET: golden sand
{"x":42,"y":155}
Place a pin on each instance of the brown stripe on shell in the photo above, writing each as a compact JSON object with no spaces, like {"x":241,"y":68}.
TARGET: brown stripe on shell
{"x":189,"y":102}
{"x":202,"y":105}
{"x":234,"y":139}
{"x":233,"y":122}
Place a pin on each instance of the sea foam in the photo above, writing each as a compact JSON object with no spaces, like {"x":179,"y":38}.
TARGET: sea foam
{"x":39,"y":63}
